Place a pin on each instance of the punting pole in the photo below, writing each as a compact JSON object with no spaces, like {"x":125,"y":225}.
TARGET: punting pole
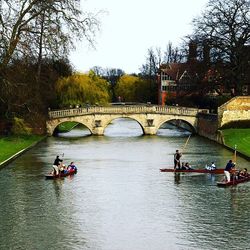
{"x":235,"y":153}
{"x":234,"y":159}
{"x":186,"y":142}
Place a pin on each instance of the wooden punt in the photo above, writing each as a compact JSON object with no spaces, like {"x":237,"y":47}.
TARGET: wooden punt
{"x":205,"y":171}
{"x":61,"y":175}
{"x":233,"y":182}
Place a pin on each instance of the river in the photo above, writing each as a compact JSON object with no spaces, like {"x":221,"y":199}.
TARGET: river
{"x":119,"y":200}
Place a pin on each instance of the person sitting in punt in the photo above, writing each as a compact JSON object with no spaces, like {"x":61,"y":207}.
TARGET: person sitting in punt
{"x":62,"y":169}
{"x":72,"y":167}
{"x":183,"y":166}
{"x":243,"y":174}
{"x":187,"y":166}
{"x":211,"y":167}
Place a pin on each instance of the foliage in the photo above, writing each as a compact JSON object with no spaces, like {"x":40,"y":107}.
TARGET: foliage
{"x":132,"y":88}
{"x":35,"y":39}
{"x":225,"y":26}
{"x":112,"y":75}
{"x":82,"y":89}
{"x":27,"y":97}
{"x":51,"y":26}
{"x":19,"y":127}
{"x":146,"y":91}
{"x":125,"y":88}
{"x":239,"y":137}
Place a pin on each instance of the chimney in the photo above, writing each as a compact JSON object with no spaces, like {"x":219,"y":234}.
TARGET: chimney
{"x":206,"y":53}
{"x":192,"y":56}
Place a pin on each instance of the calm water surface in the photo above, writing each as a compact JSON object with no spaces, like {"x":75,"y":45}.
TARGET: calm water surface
{"x":119,"y":200}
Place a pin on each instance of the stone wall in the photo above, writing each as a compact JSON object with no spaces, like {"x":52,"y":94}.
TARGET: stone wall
{"x":235,"y":110}
{"x":208,"y":127}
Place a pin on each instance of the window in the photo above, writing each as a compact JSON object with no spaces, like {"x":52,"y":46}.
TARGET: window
{"x":164,"y":76}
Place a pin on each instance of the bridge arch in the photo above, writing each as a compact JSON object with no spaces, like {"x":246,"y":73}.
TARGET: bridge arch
{"x":111,"y":119}
{"x":52,"y":125}
{"x":168,"y":120}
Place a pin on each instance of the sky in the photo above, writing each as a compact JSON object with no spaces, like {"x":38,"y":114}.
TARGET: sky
{"x":130,"y":27}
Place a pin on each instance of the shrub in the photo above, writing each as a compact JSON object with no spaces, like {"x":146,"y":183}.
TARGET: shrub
{"x":19,"y":127}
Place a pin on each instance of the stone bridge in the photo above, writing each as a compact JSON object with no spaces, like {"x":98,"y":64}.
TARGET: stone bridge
{"x":150,"y":118}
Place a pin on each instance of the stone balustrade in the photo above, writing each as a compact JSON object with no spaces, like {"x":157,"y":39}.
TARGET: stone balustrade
{"x":131,"y":109}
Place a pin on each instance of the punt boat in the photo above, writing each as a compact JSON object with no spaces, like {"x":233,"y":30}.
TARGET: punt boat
{"x":51,"y":176}
{"x":233,"y":182}
{"x":205,"y":171}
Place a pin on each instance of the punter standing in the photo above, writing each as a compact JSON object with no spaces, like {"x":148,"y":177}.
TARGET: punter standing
{"x":56,"y":164}
{"x":230,"y":165}
{"x":177,"y":159}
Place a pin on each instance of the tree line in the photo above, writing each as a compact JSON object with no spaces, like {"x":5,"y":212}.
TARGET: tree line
{"x":36,"y":37}
{"x":222,"y":35}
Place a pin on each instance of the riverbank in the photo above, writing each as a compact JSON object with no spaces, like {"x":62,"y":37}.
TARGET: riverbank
{"x":238,"y":137}
{"x":67,"y":126}
{"x":13,"y":146}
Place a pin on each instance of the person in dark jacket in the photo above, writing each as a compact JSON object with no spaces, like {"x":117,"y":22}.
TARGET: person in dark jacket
{"x":230,"y":165}
{"x":177,"y":159}
{"x":56,"y":164}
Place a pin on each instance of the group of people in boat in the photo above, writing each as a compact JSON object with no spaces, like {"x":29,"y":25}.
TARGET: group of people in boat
{"x":230,"y":171}
{"x":60,"y":168}
{"x":232,"y":174}
{"x":178,"y":164}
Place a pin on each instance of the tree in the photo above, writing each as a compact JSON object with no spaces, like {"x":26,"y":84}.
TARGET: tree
{"x":112,"y":75}
{"x":126,"y":88}
{"x":133,"y":88}
{"x":82,"y":89}
{"x":153,"y":62}
{"x":23,"y":97}
{"x":39,"y":29}
{"x":173,"y":55}
{"x":53,"y":25}
{"x":225,"y":24}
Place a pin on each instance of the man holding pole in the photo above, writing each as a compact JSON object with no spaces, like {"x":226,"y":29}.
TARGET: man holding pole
{"x":177,"y":159}
{"x":230,"y":165}
{"x":56,"y":164}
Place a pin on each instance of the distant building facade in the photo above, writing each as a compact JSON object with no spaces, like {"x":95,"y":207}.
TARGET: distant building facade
{"x":193,"y":76}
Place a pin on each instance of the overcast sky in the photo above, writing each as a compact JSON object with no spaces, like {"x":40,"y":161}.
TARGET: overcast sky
{"x":131,"y":27}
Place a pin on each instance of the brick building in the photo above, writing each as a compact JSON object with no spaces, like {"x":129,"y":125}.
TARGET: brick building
{"x":195,"y":77}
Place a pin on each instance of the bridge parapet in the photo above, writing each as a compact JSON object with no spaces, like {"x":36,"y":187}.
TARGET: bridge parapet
{"x":131,"y":109}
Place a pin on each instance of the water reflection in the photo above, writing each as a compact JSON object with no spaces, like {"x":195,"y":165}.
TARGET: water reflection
{"x":57,"y":185}
{"x":119,"y":199}
{"x":177,"y":178}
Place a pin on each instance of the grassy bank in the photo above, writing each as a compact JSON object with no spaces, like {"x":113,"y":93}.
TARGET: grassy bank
{"x":66,"y":126}
{"x":12,"y":144}
{"x":239,"y":137}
